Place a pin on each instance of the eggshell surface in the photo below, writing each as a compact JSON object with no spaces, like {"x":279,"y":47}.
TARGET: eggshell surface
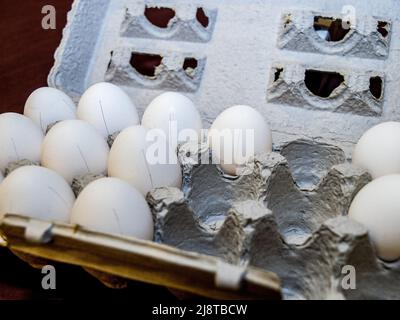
{"x":378,"y":150}
{"x":20,"y":139}
{"x":74,"y":148}
{"x":46,"y":106}
{"x":173,"y":109}
{"x":228,"y":141}
{"x":36,"y":192}
{"x":129,"y":161}
{"x":108,"y":108}
{"x":377,"y":207}
{"x":113,"y":206}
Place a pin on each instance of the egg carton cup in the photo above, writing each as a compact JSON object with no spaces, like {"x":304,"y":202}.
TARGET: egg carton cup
{"x":235,"y":60}
{"x":17,"y":164}
{"x":115,"y":260}
{"x":286,"y":213}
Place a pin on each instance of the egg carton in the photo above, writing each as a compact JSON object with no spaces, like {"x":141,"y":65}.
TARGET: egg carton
{"x":282,"y":221}
{"x":252,"y":52}
{"x":287,"y":213}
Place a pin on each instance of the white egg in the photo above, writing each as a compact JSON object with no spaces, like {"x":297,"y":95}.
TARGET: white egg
{"x":378,"y":150}
{"x":377,"y":207}
{"x":236,"y":135}
{"x":1,"y":177}
{"x":173,"y":113}
{"x":20,"y":139}
{"x":74,"y":148}
{"x":36,"y":192}
{"x":113,"y":206}
{"x":129,"y":161}
{"x":46,"y":106}
{"x":108,"y":108}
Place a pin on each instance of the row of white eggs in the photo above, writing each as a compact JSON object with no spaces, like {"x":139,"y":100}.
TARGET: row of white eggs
{"x":108,"y":109}
{"x":70,"y":143}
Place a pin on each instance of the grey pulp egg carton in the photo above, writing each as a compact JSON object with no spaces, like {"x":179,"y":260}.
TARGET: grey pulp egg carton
{"x":286,"y":213}
{"x":263,"y":53}
{"x":279,"y":228}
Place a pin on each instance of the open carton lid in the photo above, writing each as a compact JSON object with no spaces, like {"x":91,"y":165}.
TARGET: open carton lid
{"x":138,"y":260}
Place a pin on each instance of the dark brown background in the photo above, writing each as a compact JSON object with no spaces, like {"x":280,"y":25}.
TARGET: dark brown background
{"x":26,"y":57}
{"x":26,"y":54}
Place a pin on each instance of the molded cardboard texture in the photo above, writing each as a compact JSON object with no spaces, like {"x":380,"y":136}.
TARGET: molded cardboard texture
{"x":287,"y":212}
{"x":285,"y":215}
{"x":237,"y":55}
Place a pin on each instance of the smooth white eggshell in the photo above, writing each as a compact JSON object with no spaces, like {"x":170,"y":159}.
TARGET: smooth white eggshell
{"x":128,"y":161}
{"x":20,"y":139}
{"x":173,"y":106}
{"x":46,"y":106}
{"x":378,"y":150}
{"x":113,"y":206}
{"x":36,"y":192}
{"x":74,"y":148}
{"x":377,"y":207}
{"x":108,"y":108}
{"x":238,"y":117}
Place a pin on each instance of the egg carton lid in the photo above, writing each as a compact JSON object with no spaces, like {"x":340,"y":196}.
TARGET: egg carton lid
{"x":252,"y":52}
{"x":106,"y":256}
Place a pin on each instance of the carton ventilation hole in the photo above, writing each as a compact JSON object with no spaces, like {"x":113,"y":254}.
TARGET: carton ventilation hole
{"x":382,"y":28}
{"x":190,"y":63}
{"x":202,"y":17}
{"x":277,"y":75}
{"x":287,"y":20}
{"x":322,"y":83}
{"x":375,"y":87}
{"x":110,"y":62}
{"x":331,"y":29}
{"x":145,"y":64}
{"x":189,"y":66}
{"x":159,"y":16}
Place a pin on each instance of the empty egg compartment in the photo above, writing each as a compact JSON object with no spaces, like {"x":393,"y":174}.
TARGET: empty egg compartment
{"x":285,"y":213}
{"x":346,"y":33}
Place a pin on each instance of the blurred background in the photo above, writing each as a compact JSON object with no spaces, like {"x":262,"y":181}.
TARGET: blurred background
{"x":26,"y":50}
